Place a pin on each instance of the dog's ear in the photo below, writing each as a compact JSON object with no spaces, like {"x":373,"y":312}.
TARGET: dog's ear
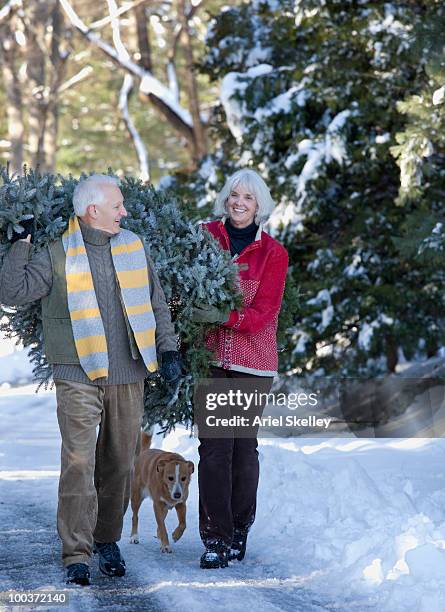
{"x":161,"y":465}
{"x":191,"y":467}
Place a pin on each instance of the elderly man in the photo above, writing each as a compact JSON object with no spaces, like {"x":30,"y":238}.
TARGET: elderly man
{"x":105,"y":321}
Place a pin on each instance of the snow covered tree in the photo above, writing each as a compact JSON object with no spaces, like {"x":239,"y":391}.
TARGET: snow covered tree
{"x":317,"y":95}
{"x":191,"y":266}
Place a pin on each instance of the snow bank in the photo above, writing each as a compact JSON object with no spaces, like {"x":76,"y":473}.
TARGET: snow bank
{"x":15,"y":367}
{"x":360,"y":519}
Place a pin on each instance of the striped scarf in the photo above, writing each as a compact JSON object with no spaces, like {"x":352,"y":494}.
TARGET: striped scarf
{"x":130,"y":265}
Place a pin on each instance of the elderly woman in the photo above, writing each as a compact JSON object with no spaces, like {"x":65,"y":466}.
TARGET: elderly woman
{"x":245,"y":347}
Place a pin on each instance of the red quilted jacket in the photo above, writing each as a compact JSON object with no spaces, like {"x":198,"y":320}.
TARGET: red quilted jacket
{"x":247,"y":342}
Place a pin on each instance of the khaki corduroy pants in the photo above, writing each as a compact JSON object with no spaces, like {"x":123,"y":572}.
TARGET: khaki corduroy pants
{"x":94,"y":485}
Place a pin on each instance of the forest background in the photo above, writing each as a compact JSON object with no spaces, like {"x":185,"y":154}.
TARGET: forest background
{"x":338,"y":104}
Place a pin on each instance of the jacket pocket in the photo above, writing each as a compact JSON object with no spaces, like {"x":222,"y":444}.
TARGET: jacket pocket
{"x":59,"y":341}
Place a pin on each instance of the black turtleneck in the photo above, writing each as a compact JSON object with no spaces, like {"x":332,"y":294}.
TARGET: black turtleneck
{"x":240,"y":237}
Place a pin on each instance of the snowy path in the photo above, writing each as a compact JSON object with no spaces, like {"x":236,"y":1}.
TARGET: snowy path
{"x":30,"y":554}
{"x":342,"y":525}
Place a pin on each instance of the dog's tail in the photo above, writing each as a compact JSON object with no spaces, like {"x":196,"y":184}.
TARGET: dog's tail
{"x":146,"y":439}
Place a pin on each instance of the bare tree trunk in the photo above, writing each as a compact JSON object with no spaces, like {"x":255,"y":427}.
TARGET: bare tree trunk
{"x":49,"y":148}
{"x":392,"y":356}
{"x":58,"y":68}
{"x":36,"y":25}
{"x":143,"y":38}
{"x":146,"y":63}
{"x":45,"y":69}
{"x":14,"y":110}
{"x":199,"y":135}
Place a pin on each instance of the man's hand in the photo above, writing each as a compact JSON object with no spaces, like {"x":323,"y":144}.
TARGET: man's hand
{"x":171,"y":366}
{"x":28,"y":231}
{"x":204,"y":313}
{"x":16,"y":238}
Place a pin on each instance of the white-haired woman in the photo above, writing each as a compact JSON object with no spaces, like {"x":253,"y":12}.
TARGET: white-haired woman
{"x":244,"y":345}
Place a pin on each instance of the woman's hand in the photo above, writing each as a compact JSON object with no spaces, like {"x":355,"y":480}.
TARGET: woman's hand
{"x":204,"y":313}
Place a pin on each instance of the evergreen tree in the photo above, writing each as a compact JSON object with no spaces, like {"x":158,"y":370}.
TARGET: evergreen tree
{"x":317,"y":96}
{"x":191,"y":266}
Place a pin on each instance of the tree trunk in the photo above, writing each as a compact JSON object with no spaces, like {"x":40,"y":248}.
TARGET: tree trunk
{"x":45,"y":71}
{"x":199,"y":135}
{"x":14,"y":111}
{"x":146,"y":63}
{"x":392,"y":356}
{"x":58,"y":68}
{"x":36,"y":25}
{"x":143,"y":38}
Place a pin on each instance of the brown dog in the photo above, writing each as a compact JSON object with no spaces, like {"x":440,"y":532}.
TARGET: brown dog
{"x":165,"y":477}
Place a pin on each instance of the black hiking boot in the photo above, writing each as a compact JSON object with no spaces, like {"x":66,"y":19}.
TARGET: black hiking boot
{"x":216,"y":555}
{"x":238,"y":547}
{"x":111,"y":562}
{"x":78,"y":573}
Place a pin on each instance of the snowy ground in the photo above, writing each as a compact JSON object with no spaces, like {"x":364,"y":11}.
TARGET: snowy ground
{"x":342,"y":524}
{"x":15,"y":367}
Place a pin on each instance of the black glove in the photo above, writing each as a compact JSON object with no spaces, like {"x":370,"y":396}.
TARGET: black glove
{"x":171,"y":366}
{"x":28,"y":228}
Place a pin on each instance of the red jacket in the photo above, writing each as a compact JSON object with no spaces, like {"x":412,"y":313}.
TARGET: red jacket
{"x":247,"y":342}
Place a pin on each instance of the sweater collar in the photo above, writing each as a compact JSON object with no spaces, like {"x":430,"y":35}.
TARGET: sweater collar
{"x":257,"y":235}
{"x":94,"y":236}
{"x":241,"y":232}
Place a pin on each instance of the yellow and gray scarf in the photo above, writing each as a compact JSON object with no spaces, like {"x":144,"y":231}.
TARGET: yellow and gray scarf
{"x":130,"y":265}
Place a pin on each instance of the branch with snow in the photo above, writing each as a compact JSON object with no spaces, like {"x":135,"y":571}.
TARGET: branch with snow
{"x":127,"y":6}
{"x":232,"y":86}
{"x":317,"y":151}
{"x":139,"y":145}
{"x":323,"y":298}
{"x":113,"y":9}
{"x":126,"y":88}
{"x":80,"y":76}
{"x":173,"y":79}
{"x":439,"y":95}
{"x":9,"y":8}
{"x":148,"y":83}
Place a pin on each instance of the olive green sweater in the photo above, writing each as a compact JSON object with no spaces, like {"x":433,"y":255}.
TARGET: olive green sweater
{"x":27,"y":276}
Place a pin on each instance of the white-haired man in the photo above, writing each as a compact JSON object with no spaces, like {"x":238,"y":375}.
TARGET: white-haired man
{"x":105,"y":321}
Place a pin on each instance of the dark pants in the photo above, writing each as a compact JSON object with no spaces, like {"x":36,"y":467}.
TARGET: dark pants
{"x":228,"y":474}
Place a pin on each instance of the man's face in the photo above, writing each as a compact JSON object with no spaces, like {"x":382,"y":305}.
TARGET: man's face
{"x":107,"y":215}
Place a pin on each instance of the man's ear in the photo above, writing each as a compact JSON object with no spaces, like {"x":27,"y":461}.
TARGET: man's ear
{"x":161,"y":465}
{"x":92,"y":211}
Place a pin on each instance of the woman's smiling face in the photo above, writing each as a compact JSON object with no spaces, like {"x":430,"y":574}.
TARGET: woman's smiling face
{"x":241,"y":206}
